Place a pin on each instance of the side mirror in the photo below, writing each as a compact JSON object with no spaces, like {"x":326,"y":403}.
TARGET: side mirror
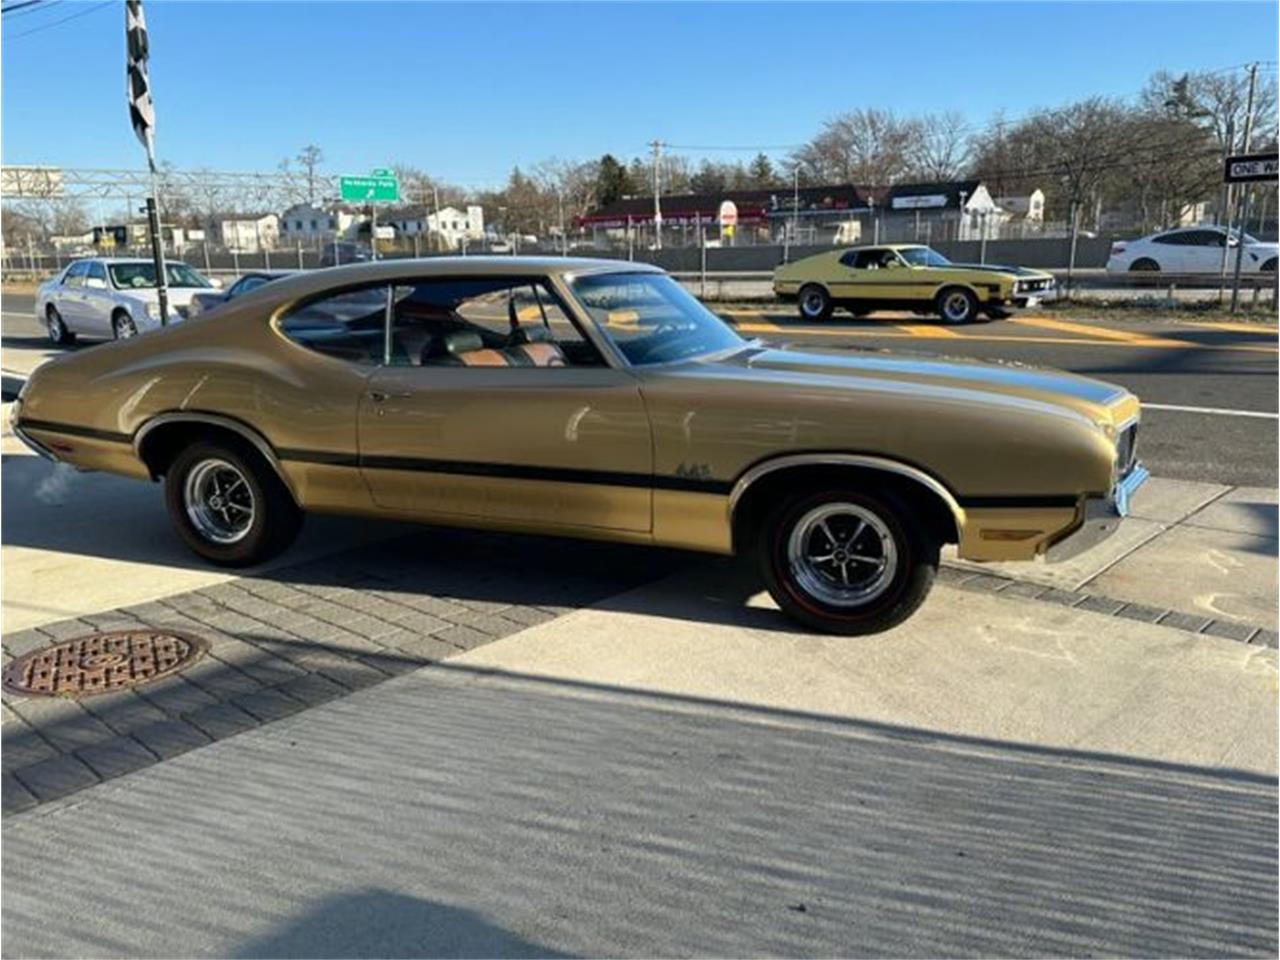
{"x":95,"y":283}
{"x":214,"y":282}
{"x":893,"y":264}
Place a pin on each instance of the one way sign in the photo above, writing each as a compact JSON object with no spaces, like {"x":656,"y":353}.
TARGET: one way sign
{"x":1250,"y":167}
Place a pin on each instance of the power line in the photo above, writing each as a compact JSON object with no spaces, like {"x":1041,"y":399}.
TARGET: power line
{"x":18,"y":6}
{"x":79,"y":13}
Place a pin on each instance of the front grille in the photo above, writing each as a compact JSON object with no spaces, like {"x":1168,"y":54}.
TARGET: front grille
{"x":1033,"y":286}
{"x":1127,"y":450}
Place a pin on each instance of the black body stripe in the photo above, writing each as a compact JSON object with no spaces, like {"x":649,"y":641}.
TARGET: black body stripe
{"x":511,"y":471}
{"x":72,"y":430}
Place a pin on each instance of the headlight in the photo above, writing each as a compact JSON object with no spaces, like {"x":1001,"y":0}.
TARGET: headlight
{"x":153,"y":310}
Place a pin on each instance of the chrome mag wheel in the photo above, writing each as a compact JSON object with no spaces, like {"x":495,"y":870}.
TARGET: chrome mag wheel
{"x":842,"y":554}
{"x":956,"y":307}
{"x":813,"y":303}
{"x":219,"y":501}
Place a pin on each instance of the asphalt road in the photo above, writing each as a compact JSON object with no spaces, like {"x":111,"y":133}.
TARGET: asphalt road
{"x":1220,"y":378}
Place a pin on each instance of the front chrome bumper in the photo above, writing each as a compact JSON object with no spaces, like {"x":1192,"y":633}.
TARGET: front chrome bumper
{"x":1102,"y":516}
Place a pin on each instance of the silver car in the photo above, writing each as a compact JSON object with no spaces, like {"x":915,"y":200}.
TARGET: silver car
{"x":112,"y":298}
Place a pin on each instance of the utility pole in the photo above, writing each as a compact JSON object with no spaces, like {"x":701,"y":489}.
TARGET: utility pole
{"x":564,"y":239}
{"x":435,"y":195}
{"x":1225,"y":209}
{"x":657,"y":193}
{"x":1244,"y":198}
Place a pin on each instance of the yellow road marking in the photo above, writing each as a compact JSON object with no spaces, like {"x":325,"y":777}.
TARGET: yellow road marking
{"x":930,"y":330}
{"x":1233,"y":327}
{"x":1104,"y":333}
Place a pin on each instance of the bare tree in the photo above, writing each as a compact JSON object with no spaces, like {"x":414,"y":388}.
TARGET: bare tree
{"x":867,"y":146}
{"x":309,"y":158}
{"x":943,"y":149}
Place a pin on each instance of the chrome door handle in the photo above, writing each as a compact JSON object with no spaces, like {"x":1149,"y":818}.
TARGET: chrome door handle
{"x":381,"y":396}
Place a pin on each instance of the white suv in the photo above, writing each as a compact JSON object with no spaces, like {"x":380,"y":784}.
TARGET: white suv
{"x":1190,"y":250}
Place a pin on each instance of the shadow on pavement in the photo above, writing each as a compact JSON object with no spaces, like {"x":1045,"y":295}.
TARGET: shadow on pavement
{"x":604,"y":821}
{"x":380,"y":923}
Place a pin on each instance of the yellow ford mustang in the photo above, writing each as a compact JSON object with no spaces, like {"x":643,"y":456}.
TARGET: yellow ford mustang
{"x":597,"y":399}
{"x":900,"y":276}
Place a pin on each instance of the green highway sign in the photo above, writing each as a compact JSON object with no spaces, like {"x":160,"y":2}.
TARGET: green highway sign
{"x":378,"y":188}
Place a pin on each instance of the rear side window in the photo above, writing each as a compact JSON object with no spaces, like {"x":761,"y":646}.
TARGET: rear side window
{"x":1171,"y":239}
{"x":347,"y":325}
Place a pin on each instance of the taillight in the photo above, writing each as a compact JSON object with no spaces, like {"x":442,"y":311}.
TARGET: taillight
{"x":1117,"y":248}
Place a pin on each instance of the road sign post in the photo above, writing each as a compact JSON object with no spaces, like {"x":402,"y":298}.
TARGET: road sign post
{"x":381,"y":186}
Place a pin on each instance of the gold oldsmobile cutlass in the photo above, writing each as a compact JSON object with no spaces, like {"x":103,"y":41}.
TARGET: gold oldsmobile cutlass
{"x":590,"y":398}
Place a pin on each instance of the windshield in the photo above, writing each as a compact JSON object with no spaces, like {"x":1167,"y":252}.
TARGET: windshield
{"x":136,"y":275}
{"x":923,"y":257}
{"x":651,"y":318}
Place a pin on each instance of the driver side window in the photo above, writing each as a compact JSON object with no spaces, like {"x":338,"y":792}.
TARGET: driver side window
{"x":75,"y":274}
{"x":499,"y":322}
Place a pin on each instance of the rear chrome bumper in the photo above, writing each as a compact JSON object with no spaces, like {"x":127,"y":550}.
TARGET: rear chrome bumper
{"x":15,"y":425}
{"x":1101,"y":517}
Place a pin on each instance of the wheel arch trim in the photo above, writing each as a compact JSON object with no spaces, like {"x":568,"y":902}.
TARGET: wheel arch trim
{"x":863,"y":461}
{"x":238,"y":427}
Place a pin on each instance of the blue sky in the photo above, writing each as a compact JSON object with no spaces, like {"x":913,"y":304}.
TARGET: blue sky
{"x":465,"y":91}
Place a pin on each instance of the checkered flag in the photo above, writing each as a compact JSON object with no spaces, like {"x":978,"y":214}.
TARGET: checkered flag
{"x":142,"y":112}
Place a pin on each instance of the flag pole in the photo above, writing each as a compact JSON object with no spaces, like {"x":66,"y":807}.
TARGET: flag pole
{"x":142,"y":116}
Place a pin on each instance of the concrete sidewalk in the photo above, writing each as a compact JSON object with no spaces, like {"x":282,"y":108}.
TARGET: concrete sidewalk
{"x":699,"y":780}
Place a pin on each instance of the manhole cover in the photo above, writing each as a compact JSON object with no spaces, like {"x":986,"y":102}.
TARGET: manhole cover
{"x":100,"y":662}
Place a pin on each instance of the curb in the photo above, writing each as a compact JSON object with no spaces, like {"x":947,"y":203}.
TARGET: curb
{"x":1096,"y":603}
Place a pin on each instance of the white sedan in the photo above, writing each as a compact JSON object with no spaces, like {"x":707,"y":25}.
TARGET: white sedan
{"x":112,"y":298}
{"x":1191,"y":250}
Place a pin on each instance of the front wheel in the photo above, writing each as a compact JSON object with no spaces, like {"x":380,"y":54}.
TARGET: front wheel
{"x":123,"y":327}
{"x":1269,"y":266}
{"x":846,"y":562}
{"x":815,"y":303}
{"x":957,"y":305}
{"x":228,"y":506}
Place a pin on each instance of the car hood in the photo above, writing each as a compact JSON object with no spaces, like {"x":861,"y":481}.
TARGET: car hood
{"x":997,"y":268}
{"x":178,"y":296}
{"x":1100,"y":402}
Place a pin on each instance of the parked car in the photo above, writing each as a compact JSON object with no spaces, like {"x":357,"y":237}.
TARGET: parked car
{"x":900,"y":276}
{"x":113,"y":298}
{"x":595,"y":399}
{"x":335,"y":254}
{"x":204,"y":302}
{"x":1191,"y":250}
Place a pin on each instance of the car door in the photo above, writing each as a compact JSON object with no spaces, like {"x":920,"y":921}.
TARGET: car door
{"x":490,"y":403}
{"x":872,"y":274}
{"x":68,"y":296}
{"x":98,"y":301}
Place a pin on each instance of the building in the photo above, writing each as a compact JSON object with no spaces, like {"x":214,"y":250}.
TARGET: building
{"x":249,"y":233}
{"x":1029,"y":208}
{"x":764,"y":213}
{"x":449,"y":227}
{"x":950,"y":210}
{"x":305,"y":223}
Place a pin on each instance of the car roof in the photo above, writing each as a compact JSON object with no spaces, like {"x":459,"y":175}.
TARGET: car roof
{"x":119,"y":260}
{"x":480,"y":266}
{"x":885,"y":246}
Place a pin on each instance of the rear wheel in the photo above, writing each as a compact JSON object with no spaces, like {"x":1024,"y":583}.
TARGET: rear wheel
{"x":1144,"y":265}
{"x":228,"y":506}
{"x":957,"y":305}
{"x":846,"y":562}
{"x":815,"y":302}
{"x":57,"y":328}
